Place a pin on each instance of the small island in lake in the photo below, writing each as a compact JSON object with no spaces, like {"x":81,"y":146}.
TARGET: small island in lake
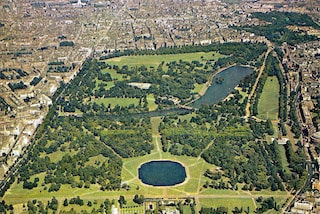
{"x":219,"y":80}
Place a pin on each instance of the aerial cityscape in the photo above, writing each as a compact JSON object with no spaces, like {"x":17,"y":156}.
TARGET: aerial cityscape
{"x":160,"y":106}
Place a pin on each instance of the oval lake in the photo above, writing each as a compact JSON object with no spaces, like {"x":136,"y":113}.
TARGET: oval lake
{"x":162,"y":173}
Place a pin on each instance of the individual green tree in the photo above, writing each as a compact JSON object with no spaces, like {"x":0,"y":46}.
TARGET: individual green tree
{"x":65,"y":202}
{"x":139,"y":199}
{"x":122,"y":201}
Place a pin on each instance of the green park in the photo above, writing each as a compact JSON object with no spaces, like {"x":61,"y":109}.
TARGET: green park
{"x":87,"y":153}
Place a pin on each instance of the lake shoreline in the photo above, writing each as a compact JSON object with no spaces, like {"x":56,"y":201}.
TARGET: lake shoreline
{"x":209,"y":83}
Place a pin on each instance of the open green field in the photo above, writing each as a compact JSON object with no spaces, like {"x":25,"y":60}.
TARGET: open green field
{"x":107,"y":87}
{"x":155,"y":121}
{"x":155,"y":60}
{"x":151,"y":102}
{"x":198,"y":88}
{"x":268,"y":106}
{"x":284,"y":160}
{"x":248,"y":204}
{"x":113,"y":73}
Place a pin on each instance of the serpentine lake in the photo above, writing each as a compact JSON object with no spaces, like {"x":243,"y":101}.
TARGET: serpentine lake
{"x":222,"y":84}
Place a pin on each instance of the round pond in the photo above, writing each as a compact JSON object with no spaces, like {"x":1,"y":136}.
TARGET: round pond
{"x":162,"y":173}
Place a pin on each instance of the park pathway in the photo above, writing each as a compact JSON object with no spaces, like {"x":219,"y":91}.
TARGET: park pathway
{"x":156,"y":136}
{"x":270,"y":48}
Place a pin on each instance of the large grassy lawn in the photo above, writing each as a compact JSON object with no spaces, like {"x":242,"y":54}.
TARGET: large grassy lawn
{"x":194,"y":167}
{"x":151,"y":102}
{"x":155,"y":60}
{"x":284,"y":160}
{"x":268,"y":106}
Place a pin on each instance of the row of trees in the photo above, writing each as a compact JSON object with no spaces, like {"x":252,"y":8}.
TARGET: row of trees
{"x":316,"y":113}
{"x":295,"y":123}
{"x":246,"y":50}
{"x":35,"y":206}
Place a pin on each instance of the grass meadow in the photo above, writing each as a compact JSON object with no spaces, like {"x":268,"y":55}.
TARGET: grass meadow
{"x":268,"y":106}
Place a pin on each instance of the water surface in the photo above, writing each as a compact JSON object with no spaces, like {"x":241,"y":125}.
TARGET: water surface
{"x":222,"y":85}
{"x":162,"y":173}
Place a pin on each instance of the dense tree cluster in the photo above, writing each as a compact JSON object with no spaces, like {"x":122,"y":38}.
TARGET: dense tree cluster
{"x":245,"y":162}
{"x":287,"y":18}
{"x":68,"y":135}
{"x":139,"y":199}
{"x":267,"y":204}
{"x":294,"y":121}
{"x":254,"y":163}
{"x":127,"y":136}
{"x":177,"y":80}
{"x":239,"y":51}
{"x":277,"y":31}
{"x":296,"y":161}
{"x":190,"y":138}
{"x":5,"y":207}
{"x":316,"y":113}
{"x":259,"y":129}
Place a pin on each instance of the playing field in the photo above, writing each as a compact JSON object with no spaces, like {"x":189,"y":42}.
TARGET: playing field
{"x":268,"y":106}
